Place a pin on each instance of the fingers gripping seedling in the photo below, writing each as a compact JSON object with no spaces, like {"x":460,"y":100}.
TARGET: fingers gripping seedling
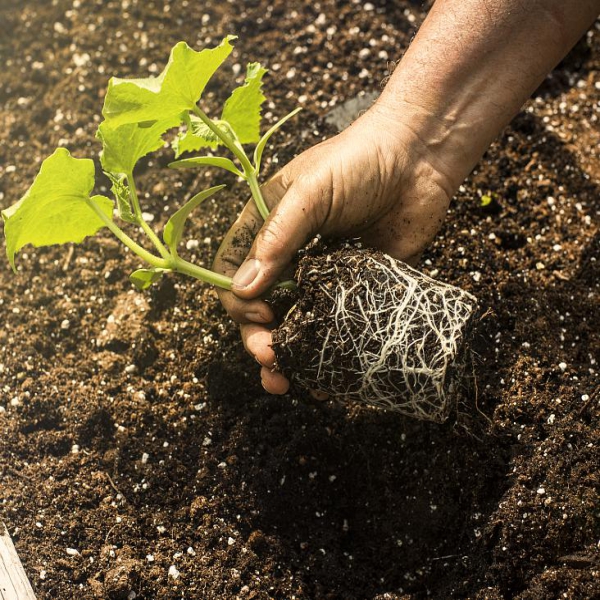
{"x":364,"y":326}
{"x":59,"y":207}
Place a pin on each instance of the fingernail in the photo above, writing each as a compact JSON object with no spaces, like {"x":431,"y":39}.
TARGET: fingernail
{"x":256,"y":317}
{"x":246,"y":274}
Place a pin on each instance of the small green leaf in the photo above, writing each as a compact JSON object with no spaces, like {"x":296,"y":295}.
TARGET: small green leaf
{"x":258,"y":151}
{"x":124,"y":145}
{"x":144,"y":278}
{"x":174,"y":228}
{"x":176,"y":90}
{"x":122,"y":195}
{"x":197,"y":136}
{"x":57,"y":208}
{"x":242,"y":108}
{"x":486,"y":200}
{"x":212,"y":161}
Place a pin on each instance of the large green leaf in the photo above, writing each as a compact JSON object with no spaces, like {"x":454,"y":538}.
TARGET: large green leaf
{"x":124,"y":145}
{"x":57,"y":207}
{"x":242,"y":108}
{"x":174,"y":228}
{"x":175,"y":90}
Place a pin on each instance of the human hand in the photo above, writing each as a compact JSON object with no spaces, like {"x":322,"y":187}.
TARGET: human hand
{"x":376,"y":181}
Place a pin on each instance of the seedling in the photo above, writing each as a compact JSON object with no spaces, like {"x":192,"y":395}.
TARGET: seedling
{"x":59,"y":207}
{"x":363,"y":325}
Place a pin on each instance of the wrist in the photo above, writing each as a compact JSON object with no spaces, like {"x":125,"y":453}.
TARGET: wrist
{"x":432,"y":143}
{"x":469,"y":70}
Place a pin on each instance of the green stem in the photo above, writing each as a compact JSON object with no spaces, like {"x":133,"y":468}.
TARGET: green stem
{"x":288,"y":284}
{"x":173,"y":263}
{"x":236,"y":148}
{"x":151,"y":259}
{"x":263,"y":209}
{"x":180,"y":265}
{"x":138,"y":213}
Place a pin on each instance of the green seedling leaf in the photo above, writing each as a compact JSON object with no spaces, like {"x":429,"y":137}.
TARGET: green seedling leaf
{"x":144,"y":278}
{"x":57,"y":208}
{"x":174,"y":91}
{"x":212,"y":161}
{"x":174,"y":228}
{"x":122,"y":195}
{"x":124,"y":145}
{"x":198,"y":135}
{"x":258,"y":151}
{"x":242,"y":108}
{"x":486,"y":200}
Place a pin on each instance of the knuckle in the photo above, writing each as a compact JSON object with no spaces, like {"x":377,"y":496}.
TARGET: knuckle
{"x":231,"y":304}
{"x":273,"y":241}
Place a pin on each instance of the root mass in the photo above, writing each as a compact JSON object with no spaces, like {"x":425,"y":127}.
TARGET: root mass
{"x":367,"y":327}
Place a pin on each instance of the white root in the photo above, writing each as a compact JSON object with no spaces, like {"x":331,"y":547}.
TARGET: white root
{"x":409,"y":356}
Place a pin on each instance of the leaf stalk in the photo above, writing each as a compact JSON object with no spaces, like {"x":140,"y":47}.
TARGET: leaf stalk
{"x":235,"y":147}
{"x":140,"y":219}
{"x":151,"y":259}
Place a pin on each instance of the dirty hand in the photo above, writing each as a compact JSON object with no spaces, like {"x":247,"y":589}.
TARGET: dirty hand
{"x":375,"y":181}
{"x":389,"y":177}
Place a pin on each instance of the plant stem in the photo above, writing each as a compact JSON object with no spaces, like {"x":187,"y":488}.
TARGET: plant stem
{"x":151,"y":259}
{"x":138,"y":213}
{"x":180,"y":265}
{"x":236,"y":148}
{"x":172,"y":263}
{"x":252,"y":180}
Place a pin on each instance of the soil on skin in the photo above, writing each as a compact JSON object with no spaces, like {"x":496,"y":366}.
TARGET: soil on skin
{"x":133,"y":427}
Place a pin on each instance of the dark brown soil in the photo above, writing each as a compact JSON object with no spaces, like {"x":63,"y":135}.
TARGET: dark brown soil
{"x":133,"y":427}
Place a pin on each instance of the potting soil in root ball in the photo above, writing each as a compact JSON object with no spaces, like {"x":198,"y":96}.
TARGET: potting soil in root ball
{"x":370,"y":328}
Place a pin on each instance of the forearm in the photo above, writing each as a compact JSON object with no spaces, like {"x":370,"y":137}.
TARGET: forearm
{"x":471,"y":67}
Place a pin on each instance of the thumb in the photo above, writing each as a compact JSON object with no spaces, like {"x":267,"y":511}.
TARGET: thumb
{"x":299,"y":215}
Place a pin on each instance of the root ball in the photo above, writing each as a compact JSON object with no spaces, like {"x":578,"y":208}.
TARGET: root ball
{"x":367,"y":327}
